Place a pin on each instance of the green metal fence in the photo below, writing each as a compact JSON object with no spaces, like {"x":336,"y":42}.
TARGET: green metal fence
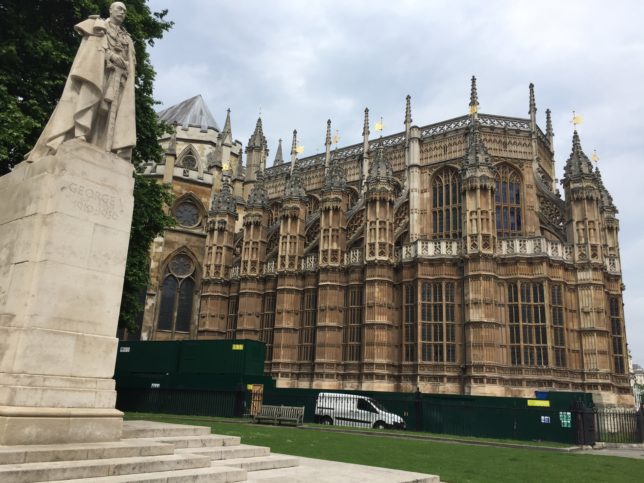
{"x":549,"y":418}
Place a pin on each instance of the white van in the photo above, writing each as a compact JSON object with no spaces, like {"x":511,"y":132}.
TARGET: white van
{"x":356,"y":411}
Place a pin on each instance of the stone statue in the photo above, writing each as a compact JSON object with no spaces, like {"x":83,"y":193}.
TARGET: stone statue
{"x":97,"y":105}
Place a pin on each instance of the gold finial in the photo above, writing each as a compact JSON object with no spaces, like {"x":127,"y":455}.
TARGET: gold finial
{"x":595,"y":157}
{"x":336,"y":138}
{"x":576,"y":119}
{"x":379,"y":126}
{"x":299,"y":149}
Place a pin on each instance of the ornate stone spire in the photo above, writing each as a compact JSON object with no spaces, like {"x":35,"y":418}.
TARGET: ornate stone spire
{"x":335,"y":177}
{"x":279,"y":158}
{"x":477,"y":154}
{"x":294,"y":188}
{"x":606,"y":199}
{"x":380,"y":168}
{"x":365,"y":132}
{"x":227,"y":128}
{"x":549,"y":132}
{"x":224,"y":202}
{"x":257,"y":139}
{"x":294,"y":149}
{"x":365,"y":127}
{"x":578,"y":163}
{"x":327,"y":144}
{"x":533,"y":105}
{"x":258,"y":198}
{"x":407,"y":112}
{"x":532,"y":110}
{"x":474,"y":98}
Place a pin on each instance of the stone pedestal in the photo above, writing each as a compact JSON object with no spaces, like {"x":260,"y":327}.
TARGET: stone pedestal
{"x":64,"y":231}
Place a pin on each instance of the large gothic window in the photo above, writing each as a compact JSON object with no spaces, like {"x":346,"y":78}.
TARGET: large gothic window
{"x":231,"y":320}
{"x":409,"y":322}
{"x":446,"y":204}
{"x":558,"y":329}
{"x":617,"y":334}
{"x":268,"y":324}
{"x":438,"y":322}
{"x":308,"y":317}
{"x":352,"y":333}
{"x":177,"y":295}
{"x":527,"y":318}
{"x":509,"y":221}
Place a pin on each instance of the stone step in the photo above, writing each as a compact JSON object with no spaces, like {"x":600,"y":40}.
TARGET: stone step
{"x":82,"y":451}
{"x":300,"y":475}
{"x":62,"y":470}
{"x":208,"y":440}
{"x":152,"y":429}
{"x":260,"y":463}
{"x":226,"y":453}
{"x":214,"y":474}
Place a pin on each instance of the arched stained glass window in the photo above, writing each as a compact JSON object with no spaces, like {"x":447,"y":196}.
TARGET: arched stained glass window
{"x":177,"y":295}
{"x":446,"y":204}
{"x":509,"y":221}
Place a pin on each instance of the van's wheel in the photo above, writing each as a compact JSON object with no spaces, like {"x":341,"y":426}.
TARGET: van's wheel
{"x":326,"y":420}
{"x":379,"y":425}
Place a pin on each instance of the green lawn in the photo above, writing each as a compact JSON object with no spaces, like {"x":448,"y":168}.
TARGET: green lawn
{"x":453,"y":462}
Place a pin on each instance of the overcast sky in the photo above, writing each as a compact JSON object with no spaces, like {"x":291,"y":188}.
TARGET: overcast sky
{"x":303,"y":62}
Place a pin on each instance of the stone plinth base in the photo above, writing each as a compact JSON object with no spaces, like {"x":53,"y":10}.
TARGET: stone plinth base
{"x":28,"y":425}
{"x":64,"y":232}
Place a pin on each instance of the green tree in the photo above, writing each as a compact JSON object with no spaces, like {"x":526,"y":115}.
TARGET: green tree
{"x":37,"y":47}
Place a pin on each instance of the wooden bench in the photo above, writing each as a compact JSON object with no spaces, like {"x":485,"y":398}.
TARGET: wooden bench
{"x":280,"y":414}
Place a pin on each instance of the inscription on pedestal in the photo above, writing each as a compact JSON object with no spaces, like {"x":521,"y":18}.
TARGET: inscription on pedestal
{"x":95,"y":202}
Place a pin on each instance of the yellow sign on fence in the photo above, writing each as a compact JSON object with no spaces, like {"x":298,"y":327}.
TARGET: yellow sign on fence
{"x":538,"y":403}
{"x":238,"y":347}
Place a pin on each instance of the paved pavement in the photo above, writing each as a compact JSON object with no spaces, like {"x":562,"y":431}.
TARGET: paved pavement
{"x":629,"y":452}
{"x":322,"y":471}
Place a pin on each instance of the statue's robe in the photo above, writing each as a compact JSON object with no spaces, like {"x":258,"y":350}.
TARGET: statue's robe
{"x":76,"y":111}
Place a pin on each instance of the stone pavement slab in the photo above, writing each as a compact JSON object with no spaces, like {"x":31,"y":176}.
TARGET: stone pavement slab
{"x":637,"y":453}
{"x":323,"y":471}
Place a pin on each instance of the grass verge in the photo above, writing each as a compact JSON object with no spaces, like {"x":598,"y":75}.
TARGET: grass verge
{"x":453,"y":462}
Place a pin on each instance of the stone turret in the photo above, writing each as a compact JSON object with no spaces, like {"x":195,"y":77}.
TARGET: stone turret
{"x":478,"y":187}
{"x":333,"y":209}
{"x":583,"y":198}
{"x":412,"y":177}
{"x":218,"y":259}
{"x":334,"y":204}
{"x":584,"y":229}
{"x":289,"y":288}
{"x":253,"y":257}
{"x":379,"y":328}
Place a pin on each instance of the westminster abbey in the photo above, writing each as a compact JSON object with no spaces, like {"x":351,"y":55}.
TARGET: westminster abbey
{"x":443,"y":257}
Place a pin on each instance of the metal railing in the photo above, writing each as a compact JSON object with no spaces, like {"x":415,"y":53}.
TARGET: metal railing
{"x":620,"y":425}
{"x":224,"y":403}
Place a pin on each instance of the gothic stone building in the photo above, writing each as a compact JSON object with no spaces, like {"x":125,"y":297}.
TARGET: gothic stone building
{"x":442,"y":257}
